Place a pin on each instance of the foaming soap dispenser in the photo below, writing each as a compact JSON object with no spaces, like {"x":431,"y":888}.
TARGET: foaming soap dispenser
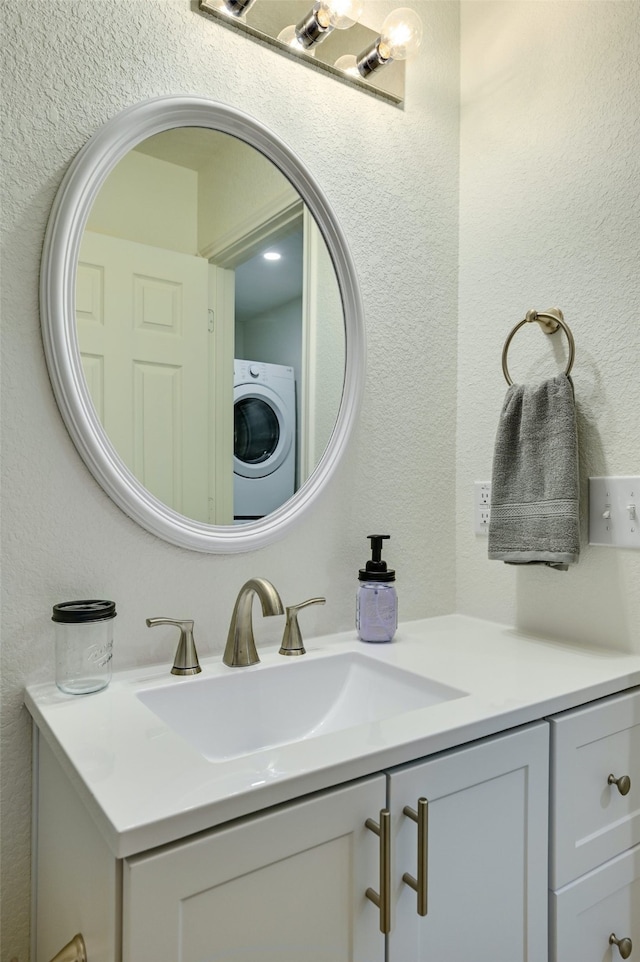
{"x":377,"y":601}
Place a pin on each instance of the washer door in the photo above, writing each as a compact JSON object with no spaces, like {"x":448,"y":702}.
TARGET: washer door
{"x":262,"y":437}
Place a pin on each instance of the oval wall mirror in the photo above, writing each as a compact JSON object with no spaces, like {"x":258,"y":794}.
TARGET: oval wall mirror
{"x":202,"y":323}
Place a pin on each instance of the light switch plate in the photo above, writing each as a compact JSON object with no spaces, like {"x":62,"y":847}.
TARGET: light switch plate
{"x":614,"y":512}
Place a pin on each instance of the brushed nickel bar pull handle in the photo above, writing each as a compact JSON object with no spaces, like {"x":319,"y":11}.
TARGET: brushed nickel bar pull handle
{"x":421,"y":885}
{"x":625,"y":946}
{"x":623,"y":784}
{"x":73,"y":951}
{"x":383,"y":900}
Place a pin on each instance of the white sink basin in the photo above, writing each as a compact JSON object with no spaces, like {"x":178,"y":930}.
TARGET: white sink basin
{"x":247,"y":710}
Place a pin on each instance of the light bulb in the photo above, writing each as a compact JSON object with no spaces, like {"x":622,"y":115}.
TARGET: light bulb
{"x":340,"y":14}
{"x":399,"y":39}
{"x":401,"y":35}
{"x":325,"y":16}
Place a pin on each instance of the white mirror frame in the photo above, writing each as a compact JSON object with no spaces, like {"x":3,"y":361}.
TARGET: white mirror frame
{"x":67,"y":221}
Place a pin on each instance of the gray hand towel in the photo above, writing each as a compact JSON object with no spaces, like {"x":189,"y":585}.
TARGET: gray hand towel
{"x":534,"y":489}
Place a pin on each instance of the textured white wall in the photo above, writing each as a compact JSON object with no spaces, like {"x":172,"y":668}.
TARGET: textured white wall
{"x":391,"y":176}
{"x":550,"y":216}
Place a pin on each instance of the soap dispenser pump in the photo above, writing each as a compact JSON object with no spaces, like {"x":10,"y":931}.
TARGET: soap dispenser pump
{"x":377,"y":601}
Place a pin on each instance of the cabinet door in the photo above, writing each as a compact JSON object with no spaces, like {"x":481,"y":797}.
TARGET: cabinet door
{"x":486,"y":853}
{"x":586,"y":913}
{"x":285,"y":886}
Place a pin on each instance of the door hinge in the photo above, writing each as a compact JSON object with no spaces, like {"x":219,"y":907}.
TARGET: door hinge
{"x":211,"y":321}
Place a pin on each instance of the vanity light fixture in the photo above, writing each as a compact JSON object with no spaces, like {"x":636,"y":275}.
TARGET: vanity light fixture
{"x":399,"y":39}
{"x":321,"y":32}
{"x":324,"y":17}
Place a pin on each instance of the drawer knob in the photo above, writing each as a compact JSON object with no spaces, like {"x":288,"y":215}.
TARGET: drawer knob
{"x":623,"y":785}
{"x":624,"y":945}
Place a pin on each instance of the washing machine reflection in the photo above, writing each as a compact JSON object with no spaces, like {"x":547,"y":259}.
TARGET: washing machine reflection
{"x":264,"y":456}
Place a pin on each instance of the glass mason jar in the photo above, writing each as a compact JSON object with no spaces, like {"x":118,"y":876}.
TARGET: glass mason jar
{"x":84,"y":645}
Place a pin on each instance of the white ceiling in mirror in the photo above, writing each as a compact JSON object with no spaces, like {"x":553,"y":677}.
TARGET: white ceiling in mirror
{"x":191,"y":147}
{"x":138,"y":128}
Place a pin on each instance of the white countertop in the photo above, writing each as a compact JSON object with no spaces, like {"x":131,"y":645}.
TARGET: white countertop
{"x":145,"y":786}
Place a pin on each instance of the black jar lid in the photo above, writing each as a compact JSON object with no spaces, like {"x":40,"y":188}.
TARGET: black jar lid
{"x":78,"y":612}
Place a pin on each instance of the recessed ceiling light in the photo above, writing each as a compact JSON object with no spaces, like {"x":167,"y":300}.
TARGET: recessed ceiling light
{"x":272,"y":256}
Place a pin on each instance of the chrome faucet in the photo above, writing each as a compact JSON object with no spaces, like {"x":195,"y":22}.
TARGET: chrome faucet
{"x":240,"y":650}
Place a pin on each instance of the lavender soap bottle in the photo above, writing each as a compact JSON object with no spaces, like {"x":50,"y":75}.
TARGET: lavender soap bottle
{"x":377,"y":601}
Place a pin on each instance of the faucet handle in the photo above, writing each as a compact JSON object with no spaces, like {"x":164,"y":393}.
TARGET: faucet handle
{"x":186,"y":660}
{"x":292,"y":639}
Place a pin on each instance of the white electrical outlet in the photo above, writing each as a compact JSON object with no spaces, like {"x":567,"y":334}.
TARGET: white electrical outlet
{"x":482,"y":506}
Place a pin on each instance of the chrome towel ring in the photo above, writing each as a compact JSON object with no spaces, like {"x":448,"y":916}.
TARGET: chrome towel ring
{"x":550,"y":321}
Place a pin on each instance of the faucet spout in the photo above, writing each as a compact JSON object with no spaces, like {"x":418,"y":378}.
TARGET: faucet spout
{"x":240,"y":650}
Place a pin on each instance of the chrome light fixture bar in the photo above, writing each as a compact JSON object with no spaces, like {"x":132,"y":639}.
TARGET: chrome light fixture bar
{"x":319,"y":35}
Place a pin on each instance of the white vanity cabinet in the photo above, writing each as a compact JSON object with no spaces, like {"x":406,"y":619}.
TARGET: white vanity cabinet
{"x":290,"y":883}
{"x":497,"y":797}
{"x":595,"y":831}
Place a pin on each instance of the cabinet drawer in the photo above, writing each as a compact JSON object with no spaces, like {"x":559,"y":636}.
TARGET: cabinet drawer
{"x":591,"y":821}
{"x":586,"y":913}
